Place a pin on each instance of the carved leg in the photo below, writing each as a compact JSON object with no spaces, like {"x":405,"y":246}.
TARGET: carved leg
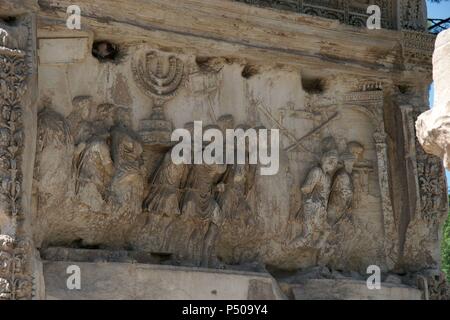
{"x":193,"y":246}
{"x":167,"y":235}
{"x":209,"y":244}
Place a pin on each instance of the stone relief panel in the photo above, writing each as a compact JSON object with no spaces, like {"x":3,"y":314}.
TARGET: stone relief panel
{"x":104,"y":176}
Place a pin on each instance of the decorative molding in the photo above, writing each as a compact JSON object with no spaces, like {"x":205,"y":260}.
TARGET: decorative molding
{"x":418,"y":47}
{"x":15,"y":250}
{"x":349,"y":12}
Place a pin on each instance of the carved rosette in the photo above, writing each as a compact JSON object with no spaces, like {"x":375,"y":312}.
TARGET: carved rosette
{"x":15,"y":281}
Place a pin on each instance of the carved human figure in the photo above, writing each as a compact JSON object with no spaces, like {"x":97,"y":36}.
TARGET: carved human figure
{"x":80,"y":120}
{"x":316,"y":191}
{"x":54,"y":154}
{"x":93,"y":165}
{"x":163,"y":201}
{"x":94,"y":168}
{"x":342,"y":190}
{"x":166,"y":184}
{"x":199,"y":204}
{"x":238,"y":181}
{"x":127,"y":184}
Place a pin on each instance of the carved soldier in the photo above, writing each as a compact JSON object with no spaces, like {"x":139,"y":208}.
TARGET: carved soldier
{"x":341,"y":196}
{"x":199,"y":204}
{"x":127,"y":184}
{"x":316,"y":191}
{"x":167,"y":183}
{"x":238,"y":181}
{"x":81,"y":119}
{"x":93,"y":165}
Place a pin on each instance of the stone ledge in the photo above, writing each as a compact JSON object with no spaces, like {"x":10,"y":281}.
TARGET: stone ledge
{"x":326,"y":289}
{"x":130,"y":281}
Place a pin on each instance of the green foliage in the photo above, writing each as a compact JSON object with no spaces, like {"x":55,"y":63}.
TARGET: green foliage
{"x":446,"y":247}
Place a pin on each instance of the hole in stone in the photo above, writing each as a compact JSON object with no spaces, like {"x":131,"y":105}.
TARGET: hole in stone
{"x":313,"y":86}
{"x":80,"y":244}
{"x":403,"y":89}
{"x":162,"y":256}
{"x":9,"y":20}
{"x":209,"y":64}
{"x":203,"y":62}
{"x":105,"y":51}
{"x":249,"y":71}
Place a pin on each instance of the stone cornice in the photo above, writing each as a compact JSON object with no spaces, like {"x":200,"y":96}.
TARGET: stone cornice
{"x":225,"y":26}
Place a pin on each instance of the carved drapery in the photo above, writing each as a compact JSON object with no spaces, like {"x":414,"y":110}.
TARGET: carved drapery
{"x":15,"y":249}
{"x":370,"y":100}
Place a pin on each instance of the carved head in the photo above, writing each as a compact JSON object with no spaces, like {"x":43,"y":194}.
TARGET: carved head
{"x":356,"y":149}
{"x":329,"y":161}
{"x":353,"y":153}
{"x":225,"y":122}
{"x":83,"y":106}
{"x":107,"y":113}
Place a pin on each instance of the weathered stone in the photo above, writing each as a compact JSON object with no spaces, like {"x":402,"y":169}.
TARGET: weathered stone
{"x":152,"y":282}
{"x":321,"y":289}
{"x":433,"y":126}
{"x":87,"y":174}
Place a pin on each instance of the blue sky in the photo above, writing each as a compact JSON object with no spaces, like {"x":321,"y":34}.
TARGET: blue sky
{"x":441,"y":10}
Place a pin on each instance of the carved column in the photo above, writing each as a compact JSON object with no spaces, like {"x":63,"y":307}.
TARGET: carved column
{"x":17,"y":122}
{"x":412,"y":180}
{"x":390,"y":234}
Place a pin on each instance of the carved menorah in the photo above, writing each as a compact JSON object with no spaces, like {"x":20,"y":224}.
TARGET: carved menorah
{"x":159,"y":78}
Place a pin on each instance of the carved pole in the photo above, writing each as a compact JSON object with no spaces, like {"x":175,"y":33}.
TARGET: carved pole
{"x":388,"y":213}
